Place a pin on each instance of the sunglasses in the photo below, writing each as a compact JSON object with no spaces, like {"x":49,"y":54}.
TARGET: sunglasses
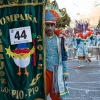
{"x":50,"y":24}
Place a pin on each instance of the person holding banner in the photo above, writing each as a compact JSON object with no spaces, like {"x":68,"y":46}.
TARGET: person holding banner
{"x":56,"y":57}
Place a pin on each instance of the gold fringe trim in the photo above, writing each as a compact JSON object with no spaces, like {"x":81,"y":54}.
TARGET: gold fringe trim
{"x":38,"y":99}
{"x":44,"y":45}
{"x":62,"y":93}
{"x":23,"y":4}
{"x":66,"y":73}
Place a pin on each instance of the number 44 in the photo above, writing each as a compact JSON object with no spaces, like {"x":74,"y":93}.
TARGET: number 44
{"x":18,"y":36}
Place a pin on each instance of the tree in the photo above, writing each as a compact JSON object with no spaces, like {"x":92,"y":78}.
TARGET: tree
{"x":98,"y":24}
{"x":65,"y":20}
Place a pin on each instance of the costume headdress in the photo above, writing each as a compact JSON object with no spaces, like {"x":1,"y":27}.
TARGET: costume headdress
{"x":52,"y":13}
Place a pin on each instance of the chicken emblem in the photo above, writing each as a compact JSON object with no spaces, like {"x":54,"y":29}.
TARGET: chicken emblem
{"x":21,"y":56}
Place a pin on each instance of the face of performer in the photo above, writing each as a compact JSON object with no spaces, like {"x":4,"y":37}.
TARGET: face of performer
{"x":49,"y":28}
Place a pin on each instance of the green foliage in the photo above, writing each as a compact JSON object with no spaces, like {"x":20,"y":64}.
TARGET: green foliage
{"x":98,"y":24}
{"x":97,"y":5}
{"x":65,"y":20}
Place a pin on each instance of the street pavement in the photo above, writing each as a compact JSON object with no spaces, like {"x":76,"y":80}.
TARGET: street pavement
{"x":84,"y":83}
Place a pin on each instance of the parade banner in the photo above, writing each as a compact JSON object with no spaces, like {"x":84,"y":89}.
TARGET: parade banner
{"x":22,"y":65}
